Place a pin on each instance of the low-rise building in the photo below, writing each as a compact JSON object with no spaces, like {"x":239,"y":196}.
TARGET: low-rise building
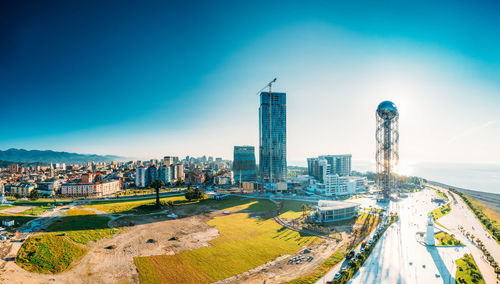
{"x":335,"y":185}
{"x":330,"y":211}
{"x":8,"y":223}
{"x":97,"y":189}
{"x":195,"y":178}
{"x":224,"y":178}
{"x":22,"y":189}
{"x":48,"y":188}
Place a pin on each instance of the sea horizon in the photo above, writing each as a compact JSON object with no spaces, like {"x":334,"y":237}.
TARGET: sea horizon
{"x":473,"y":176}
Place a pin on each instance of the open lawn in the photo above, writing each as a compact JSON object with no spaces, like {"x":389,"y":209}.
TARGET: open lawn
{"x":244,"y":243}
{"x":467,"y":271}
{"x":83,"y":226}
{"x":19,"y":219}
{"x":292,"y":209}
{"x":130,"y":207}
{"x":439,"y":192}
{"x":441,"y":211}
{"x":446,"y":239}
{"x":35,"y":211}
{"x":233,"y":203}
{"x":48,"y":253}
{"x":130,"y":192}
{"x":4,"y":206}
{"x":42,"y":202}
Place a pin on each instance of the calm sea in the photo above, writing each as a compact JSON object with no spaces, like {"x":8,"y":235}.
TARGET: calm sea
{"x":480,"y":177}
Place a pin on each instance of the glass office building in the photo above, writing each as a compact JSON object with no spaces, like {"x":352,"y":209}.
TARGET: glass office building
{"x":272,"y":142}
{"x":244,"y":163}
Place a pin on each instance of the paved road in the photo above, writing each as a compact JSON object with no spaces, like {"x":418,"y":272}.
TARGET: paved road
{"x":461,"y":215}
{"x":343,"y":264}
{"x":400,"y":255}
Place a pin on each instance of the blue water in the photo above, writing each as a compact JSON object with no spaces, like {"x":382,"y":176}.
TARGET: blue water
{"x":480,"y":177}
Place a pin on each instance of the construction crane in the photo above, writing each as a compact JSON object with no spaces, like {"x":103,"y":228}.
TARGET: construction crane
{"x":269,"y":85}
{"x":271,"y":152}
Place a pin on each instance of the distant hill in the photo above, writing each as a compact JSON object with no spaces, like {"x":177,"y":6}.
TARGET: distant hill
{"x":6,"y":164}
{"x":48,"y":156}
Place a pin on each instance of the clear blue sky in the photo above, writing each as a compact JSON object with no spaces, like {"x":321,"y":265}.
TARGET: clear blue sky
{"x":152,"y":78}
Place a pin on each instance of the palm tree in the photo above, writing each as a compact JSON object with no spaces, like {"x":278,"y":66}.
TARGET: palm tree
{"x":304,"y":210}
{"x":157,"y":184}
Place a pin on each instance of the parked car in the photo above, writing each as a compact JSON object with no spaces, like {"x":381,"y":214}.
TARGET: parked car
{"x":337,"y":276}
{"x":350,"y":254}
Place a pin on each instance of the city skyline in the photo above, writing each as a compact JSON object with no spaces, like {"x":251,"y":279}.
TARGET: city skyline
{"x":108,"y":87}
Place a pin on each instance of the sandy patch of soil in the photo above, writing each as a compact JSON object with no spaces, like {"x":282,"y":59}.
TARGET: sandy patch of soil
{"x":279,"y":270}
{"x":15,"y":209}
{"x":111,"y":260}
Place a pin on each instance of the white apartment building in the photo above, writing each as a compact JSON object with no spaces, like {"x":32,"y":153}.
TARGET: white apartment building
{"x":97,"y":189}
{"x":164,"y":174}
{"x":335,"y":185}
{"x":140,"y":177}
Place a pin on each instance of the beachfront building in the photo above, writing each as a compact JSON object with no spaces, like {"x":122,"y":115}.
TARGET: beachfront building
{"x":329,"y":164}
{"x":331,"y":211}
{"x":335,"y":185}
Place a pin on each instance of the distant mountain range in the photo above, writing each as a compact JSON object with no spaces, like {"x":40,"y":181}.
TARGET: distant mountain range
{"x":48,"y":156}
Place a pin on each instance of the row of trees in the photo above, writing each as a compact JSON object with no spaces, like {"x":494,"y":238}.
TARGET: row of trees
{"x":491,"y":225}
{"x":34,"y":195}
{"x":480,"y":244}
{"x":194,"y":194}
{"x":191,"y":194}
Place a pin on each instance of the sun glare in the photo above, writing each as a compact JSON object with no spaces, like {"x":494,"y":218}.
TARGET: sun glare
{"x":404,"y":168}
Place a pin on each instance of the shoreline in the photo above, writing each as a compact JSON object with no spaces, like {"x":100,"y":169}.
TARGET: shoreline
{"x":492,"y":200}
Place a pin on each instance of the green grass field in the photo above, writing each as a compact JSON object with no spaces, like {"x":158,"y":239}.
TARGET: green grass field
{"x":129,"y":207}
{"x":83,"y":226}
{"x":244,"y":243}
{"x":467,"y":271}
{"x":54,"y":252}
{"x":48,"y":253}
{"x":292,"y":209}
{"x":20,"y":220}
{"x":134,"y":207}
{"x":132,"y":192}
{"x":446,"y":239}
{"x":4,"y":206}
{"x":441,"y":211}
{"x":42,"y":202}
{"x":35,"y":211}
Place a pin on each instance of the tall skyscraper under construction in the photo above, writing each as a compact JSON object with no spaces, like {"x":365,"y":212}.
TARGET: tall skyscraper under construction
{"x":272,"y":134}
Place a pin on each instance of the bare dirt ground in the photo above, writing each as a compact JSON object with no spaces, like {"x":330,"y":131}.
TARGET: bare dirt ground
{"x":15,"y":209}
{"x":279,"y":270}
{"x":112,"y":260}
{"x":103,"y":264}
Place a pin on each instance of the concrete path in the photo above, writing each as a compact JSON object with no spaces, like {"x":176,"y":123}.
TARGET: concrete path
{"x":400,"y":255}
{"x":461,"y":215}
